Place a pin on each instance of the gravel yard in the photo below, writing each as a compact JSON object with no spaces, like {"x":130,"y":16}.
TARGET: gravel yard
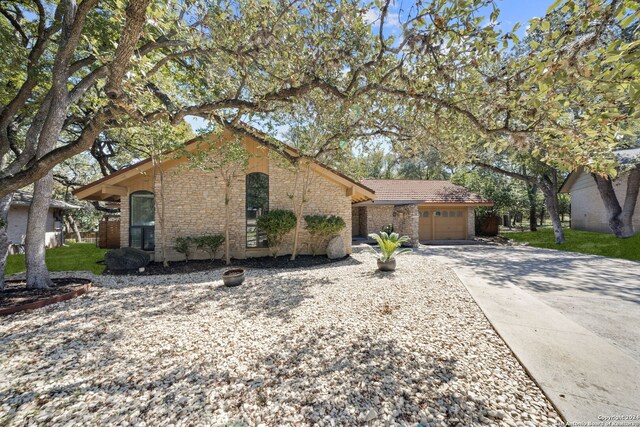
{"x":338,"y":344}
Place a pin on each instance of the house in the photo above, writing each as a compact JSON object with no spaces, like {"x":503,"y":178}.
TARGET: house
{"x":422,"y":209}
{"x":18,"y":216}
{"x":194,"y":198}
{"x":587,"y":209}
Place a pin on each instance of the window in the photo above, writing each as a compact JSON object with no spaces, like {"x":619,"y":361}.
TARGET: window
{"x":452,"y":214}
{"x":257,"y":203}
{"x":445,"y":214}
{"x":436,"y":213}
{"x":142,"y":220}
{"x":425,"y":214}
{"x":459,"y":215}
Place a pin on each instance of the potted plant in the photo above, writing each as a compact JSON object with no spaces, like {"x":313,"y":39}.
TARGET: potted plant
{"x":390,"y":247}
{"x":233,"y":277}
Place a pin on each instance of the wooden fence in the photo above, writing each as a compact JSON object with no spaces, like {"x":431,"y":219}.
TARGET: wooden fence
{"x":109,"y":233}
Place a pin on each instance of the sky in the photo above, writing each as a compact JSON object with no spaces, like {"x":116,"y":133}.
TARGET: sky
{"x":511,"y":11}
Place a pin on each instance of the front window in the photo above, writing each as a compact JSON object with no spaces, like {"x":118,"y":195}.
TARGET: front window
{"x":257,"y":204}
{"x":142,"y":220}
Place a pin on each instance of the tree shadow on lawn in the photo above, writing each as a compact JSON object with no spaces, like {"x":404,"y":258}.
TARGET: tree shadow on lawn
{"x":547,"y":270}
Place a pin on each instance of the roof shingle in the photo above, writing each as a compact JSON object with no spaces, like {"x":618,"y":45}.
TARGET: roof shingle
{"x":422,"y":191}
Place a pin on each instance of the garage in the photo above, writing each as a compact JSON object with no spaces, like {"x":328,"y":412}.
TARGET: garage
{"x":442,"y":223}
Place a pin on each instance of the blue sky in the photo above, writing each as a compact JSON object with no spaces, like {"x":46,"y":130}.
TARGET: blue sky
{"x":511,"y":11}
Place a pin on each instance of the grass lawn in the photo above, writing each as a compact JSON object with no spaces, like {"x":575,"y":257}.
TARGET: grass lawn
{"x":75,"y":256}
{"x":586,"y":242}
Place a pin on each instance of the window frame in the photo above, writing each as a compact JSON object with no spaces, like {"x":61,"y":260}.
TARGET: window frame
{"x":260,"y":243}
{"x":147,"y":232}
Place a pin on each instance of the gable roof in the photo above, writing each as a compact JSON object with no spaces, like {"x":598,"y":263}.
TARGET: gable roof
{"x":24,"y":198}
{"x":630,"y":156}
{"x":106,"y":188}
{"x":410,"y":191}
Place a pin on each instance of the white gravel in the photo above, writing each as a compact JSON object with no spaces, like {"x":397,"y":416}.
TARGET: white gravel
{"x":333,"y":345}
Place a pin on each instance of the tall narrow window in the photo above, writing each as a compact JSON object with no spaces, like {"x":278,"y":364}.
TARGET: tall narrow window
{"x":142,"y":220}
{"x":257,"y":204}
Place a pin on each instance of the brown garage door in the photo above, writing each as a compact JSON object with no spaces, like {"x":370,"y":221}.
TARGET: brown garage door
{"x":450,"y":224}
{"x":425,"y":224}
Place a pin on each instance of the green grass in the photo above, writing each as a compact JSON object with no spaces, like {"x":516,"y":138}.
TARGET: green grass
{"x":75,"y":256}
{"x":585,"y":242}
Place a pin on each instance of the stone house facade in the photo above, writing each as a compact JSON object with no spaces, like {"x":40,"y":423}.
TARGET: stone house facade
{"x":194,"y":199}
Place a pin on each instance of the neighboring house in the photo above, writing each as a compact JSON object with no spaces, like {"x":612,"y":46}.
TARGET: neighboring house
{"x":422,"y":209}
{"x":194,"y":199}
{"x":587,"y":209}
{"x":19,"y":214}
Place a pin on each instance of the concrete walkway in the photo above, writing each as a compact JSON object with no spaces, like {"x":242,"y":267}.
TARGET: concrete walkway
{"x":573,"y":320}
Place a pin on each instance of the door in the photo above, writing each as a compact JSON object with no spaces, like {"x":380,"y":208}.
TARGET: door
{"x":425,"y":224}
{"x":450,"y":224}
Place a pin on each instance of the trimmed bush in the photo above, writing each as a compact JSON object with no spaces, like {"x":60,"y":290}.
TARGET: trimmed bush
{"x":182,"y":245}
{"x":321,"y":228}
{"x":276,"y":224}
{"x":210,"y":244}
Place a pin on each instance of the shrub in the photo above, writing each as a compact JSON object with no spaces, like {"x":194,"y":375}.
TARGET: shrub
{"x":322,"y":227}
{"x":182,"y":245}
{"x":387,"y":229}
{"x":390,"y":245}
{"x":276,"y":224}
{"x":209,"y":244}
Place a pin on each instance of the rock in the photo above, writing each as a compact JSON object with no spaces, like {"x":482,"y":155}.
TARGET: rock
{"x":126,"y":259}
{"x":370,"y":415}
{"x":336,"y":248}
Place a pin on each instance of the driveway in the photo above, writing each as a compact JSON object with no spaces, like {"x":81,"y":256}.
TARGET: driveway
{"x":572,"y":319}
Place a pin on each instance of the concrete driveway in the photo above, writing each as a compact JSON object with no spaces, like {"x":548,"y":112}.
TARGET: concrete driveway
{"x":573,"y":320}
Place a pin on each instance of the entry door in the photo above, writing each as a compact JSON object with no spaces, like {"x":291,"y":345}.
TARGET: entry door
{"x":425,"y":224}
{"x":450,"y":224}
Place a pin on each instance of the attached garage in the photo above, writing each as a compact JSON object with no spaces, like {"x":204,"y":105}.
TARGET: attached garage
{"x":442,"y":223}
{"x":422,"y":209}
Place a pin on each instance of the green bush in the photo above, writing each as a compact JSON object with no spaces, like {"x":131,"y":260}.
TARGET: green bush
{"x":387,"y":229}
{"x":182,"y":245}
{"x":209,"y":244}
{"x":323,"y":227}
{"x":276,"y":224}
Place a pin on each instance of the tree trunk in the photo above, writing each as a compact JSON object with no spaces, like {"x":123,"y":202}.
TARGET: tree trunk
{"x":532,"y":190}
{"x":542,"y":214}
{"x":551,"y":202}
{"x":227,"y":244}
{"x":158,"y":172}
{"x":74,"y":227}
{"x":37,"y":272}
{"x":5,"y":203}
{"x":296,"y":233}
{"x":620,"y":219}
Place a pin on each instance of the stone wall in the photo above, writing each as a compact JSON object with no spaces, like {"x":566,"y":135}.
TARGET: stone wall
{"x":471,"y":223}
{"x":194,"y":203}
{"x":406,"y":222}
{"x":323,"y":197}
{"x":378,"y":216}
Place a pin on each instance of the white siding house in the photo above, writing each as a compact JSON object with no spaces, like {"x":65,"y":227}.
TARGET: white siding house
{"x":587,"y":209}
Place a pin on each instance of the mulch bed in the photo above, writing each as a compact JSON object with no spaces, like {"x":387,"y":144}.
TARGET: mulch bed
{"x":182,"y":267}
{"x":16,"y":297}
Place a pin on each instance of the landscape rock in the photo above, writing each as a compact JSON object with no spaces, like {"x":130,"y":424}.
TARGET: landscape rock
{"x":298,"y":347}
{"x":336,"y":248}
{"x":126,"y":259}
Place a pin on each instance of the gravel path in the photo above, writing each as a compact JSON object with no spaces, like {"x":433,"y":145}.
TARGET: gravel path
{"x":334,"y":345}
